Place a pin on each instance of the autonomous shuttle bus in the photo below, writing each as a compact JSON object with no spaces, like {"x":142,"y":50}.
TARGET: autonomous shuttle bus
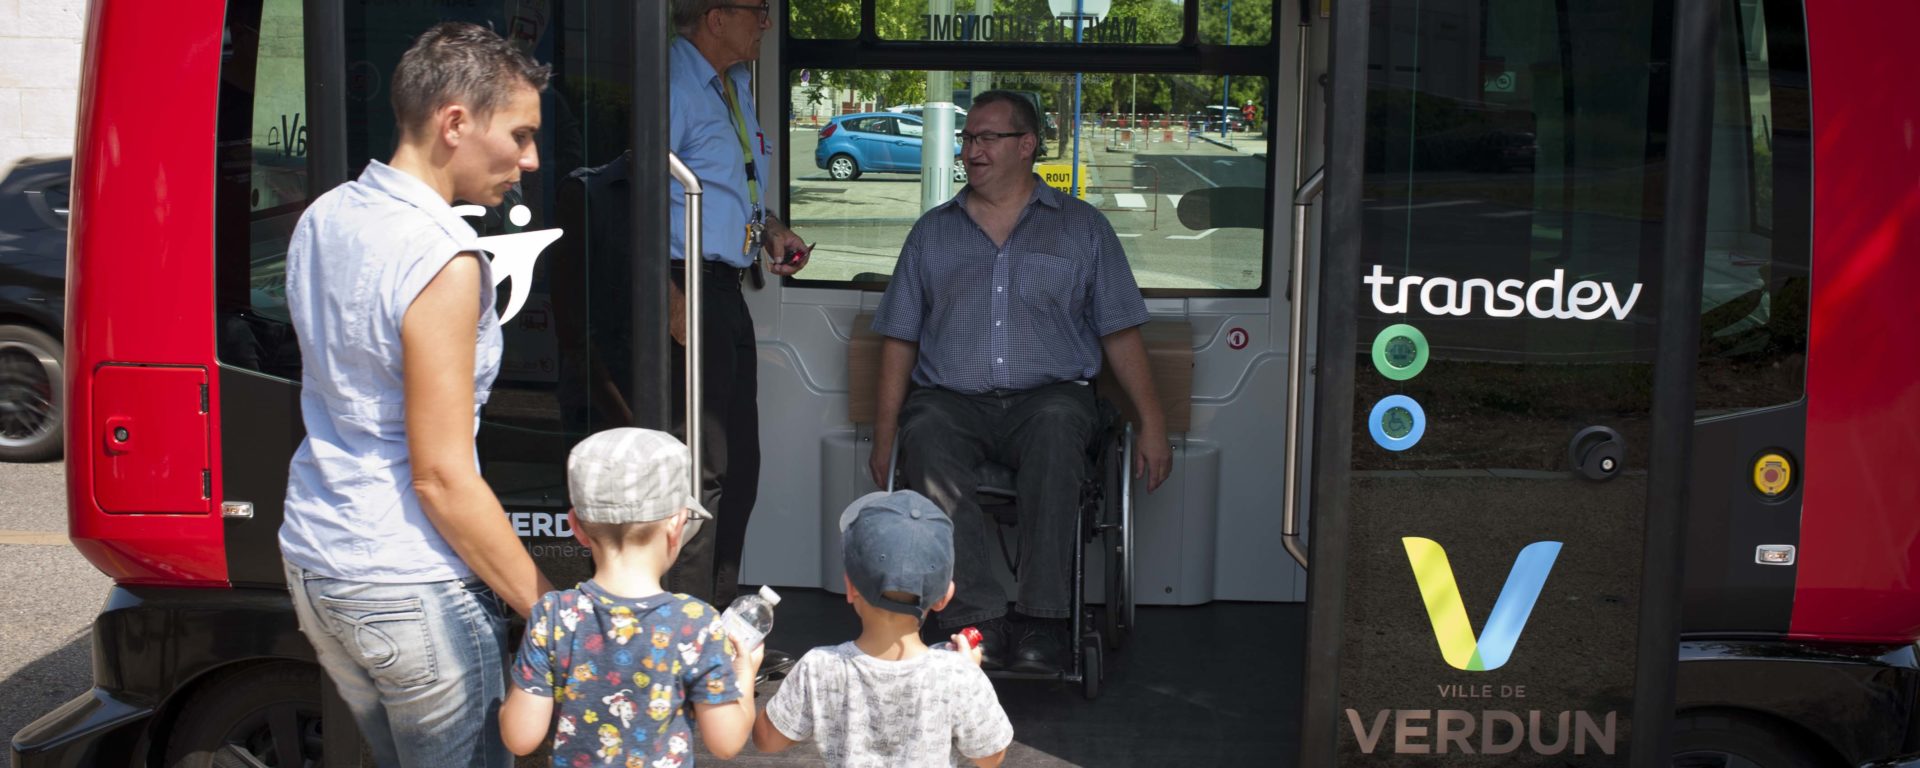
{"x":1539,"y":373}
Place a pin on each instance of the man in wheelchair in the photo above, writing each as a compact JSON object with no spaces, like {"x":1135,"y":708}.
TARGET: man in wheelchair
{"x":1002,"y":306}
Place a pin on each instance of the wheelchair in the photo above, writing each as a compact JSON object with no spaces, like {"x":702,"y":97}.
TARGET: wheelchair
{"x":1105,"y":522}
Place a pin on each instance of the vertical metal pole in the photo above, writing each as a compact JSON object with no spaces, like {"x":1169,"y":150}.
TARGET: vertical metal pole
{"x":982,"y":80}
{"x":936,"y":128}
{"x":650,"y":389}
{"x":1079,"y":36}
{"x":1226,"y":81}
{"x":1304,"y":193}
{"x":693,"y":286}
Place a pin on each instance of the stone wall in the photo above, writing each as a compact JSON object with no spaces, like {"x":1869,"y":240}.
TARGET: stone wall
{"x":39,"y":76}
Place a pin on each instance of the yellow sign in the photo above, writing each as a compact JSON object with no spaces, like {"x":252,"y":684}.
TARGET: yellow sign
{"x":1772,"y":474}
{"x":1059,"y":176}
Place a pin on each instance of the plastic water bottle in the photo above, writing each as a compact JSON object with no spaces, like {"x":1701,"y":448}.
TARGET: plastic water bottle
{"x":750,"y":618}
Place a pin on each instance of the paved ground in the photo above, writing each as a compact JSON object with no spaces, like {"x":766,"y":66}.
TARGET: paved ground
{"x":51,"y":596}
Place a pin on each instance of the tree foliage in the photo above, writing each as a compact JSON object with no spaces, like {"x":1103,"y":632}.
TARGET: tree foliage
{"x":1155,"y":22}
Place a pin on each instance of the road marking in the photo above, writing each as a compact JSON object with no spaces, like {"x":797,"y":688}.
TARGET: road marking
{"x":1196,"y":172}
{"x":1505,"y":214}
{"x":1418,"y":206}
{"x":1130,"y":200}
{"x":34,"y":538}
{"x":1129,"y":234}
{"x":1201,"y":236}
{"x":1176,"y":201}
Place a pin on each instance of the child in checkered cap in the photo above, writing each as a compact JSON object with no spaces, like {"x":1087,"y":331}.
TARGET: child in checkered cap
{"x":623,"y":659}
{"x":886,"y":699}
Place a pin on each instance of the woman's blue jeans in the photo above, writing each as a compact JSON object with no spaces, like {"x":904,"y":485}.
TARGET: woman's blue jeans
{"x":422,"y":666}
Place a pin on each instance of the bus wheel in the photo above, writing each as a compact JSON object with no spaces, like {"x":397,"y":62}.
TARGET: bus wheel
{"x":262,"y":716}
{"x":1734,"y":740}
{"x":30,"y":390}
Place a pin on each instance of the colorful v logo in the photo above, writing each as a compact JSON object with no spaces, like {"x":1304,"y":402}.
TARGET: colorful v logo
{"x":1449,"y":614}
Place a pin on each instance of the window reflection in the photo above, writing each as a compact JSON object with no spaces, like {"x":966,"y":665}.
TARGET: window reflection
{"x":1182,"y":177}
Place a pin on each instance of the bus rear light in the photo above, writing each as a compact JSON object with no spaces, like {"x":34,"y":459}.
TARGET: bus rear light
{"x":1774,"y":554}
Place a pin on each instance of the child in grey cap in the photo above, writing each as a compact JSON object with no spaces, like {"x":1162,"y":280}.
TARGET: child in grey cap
{"x":886,"y":699}
{"x":623,"y":659}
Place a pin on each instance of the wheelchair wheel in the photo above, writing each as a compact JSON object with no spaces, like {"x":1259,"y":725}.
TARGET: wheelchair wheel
{"x":1117,"y":544}
{"x":1091,"y":666}
{"x":1119,"y":592}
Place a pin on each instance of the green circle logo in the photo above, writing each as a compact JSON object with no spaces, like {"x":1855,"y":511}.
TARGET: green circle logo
{"x":1400,"y":352}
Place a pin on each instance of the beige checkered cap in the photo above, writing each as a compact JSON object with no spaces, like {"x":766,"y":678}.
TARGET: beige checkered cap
{"x":630,"y":475}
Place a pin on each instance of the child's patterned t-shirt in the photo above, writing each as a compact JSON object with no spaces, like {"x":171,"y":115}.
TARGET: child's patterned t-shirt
{"x":623,"y":673}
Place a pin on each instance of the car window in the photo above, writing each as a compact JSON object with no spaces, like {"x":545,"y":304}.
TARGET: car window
{"x":908,"y":128}
{"x":872,"y":125}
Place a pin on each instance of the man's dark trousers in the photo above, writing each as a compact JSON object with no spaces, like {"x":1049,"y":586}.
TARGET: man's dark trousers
{"x":1042,"y":434}
{"x":709,"y":565}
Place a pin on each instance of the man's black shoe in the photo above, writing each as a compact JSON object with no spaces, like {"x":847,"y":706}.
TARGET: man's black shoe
{"x":1041,"y":648}
{"x":994,"y":639}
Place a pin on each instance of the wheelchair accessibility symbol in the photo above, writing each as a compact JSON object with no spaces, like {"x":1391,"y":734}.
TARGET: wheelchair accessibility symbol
{"x":1237,"y":338}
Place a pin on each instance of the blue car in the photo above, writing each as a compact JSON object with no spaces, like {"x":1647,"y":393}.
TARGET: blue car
{"x":876,"y":142}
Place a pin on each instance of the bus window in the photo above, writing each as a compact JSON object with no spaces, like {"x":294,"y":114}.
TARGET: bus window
{"x":1183,"y":180}
{"x":262,"y":180}
{"x":1753,"y":322}
{"x":823,"y":19}
{"x":1239,"y":22}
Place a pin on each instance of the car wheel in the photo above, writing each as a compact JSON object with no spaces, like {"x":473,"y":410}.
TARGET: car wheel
{"x":260,"y":716}
{"x":30,"y":393}
{"x":843,"y":168}
{"x":959,"y":174}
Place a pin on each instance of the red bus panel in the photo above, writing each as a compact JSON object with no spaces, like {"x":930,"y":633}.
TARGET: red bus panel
{"x":140,"y":265}
{"x":1860,"y":529}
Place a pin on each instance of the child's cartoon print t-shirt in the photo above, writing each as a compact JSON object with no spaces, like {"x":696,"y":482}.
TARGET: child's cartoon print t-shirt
{"x":622,"y":672}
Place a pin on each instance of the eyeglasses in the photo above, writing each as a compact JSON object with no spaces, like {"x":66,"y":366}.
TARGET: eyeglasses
{"x":763,"y":9}
{"x":986,"y":139}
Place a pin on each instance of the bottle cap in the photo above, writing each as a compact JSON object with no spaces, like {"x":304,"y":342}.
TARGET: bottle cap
{"x":772,"y":597}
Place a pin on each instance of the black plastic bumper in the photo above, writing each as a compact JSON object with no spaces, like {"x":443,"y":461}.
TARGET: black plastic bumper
{"x":94,"y":729}
{"x":150,"y":644}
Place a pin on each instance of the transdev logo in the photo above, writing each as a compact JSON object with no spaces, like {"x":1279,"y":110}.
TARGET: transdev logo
{"x":1449,"y":614}
{"x":514,"y":255}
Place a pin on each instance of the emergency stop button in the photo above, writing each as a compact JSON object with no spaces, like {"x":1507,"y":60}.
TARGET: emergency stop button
{"x":1773,"y":475}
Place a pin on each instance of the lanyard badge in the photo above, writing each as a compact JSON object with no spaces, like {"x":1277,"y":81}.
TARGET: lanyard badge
{"x":755,"y":231}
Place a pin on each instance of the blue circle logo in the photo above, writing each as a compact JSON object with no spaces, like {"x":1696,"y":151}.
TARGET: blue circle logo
{"x":1397,"y":422}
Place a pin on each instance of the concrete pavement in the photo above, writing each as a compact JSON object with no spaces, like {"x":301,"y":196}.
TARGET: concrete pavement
{"x":52,"y":595}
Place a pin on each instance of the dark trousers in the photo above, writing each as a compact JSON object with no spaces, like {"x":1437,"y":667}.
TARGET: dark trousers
{"x":709,"y":565}
{"x":1042,"y":434}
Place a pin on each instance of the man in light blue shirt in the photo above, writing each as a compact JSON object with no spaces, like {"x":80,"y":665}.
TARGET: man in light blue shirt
{"x":716,"y":131}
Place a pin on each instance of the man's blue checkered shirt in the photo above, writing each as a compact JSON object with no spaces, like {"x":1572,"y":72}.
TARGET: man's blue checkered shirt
{"x":1015,"y":317}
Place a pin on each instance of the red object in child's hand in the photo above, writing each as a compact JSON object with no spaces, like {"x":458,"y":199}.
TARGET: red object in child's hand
{"x":973,"y":636}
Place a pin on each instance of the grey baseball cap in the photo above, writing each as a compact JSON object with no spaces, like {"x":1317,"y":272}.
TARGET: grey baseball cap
{"x":630,"y":475}
{"x":898,"y":542}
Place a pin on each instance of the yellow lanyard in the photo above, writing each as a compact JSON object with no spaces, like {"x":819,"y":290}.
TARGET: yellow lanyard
{"x":746,"y":149}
